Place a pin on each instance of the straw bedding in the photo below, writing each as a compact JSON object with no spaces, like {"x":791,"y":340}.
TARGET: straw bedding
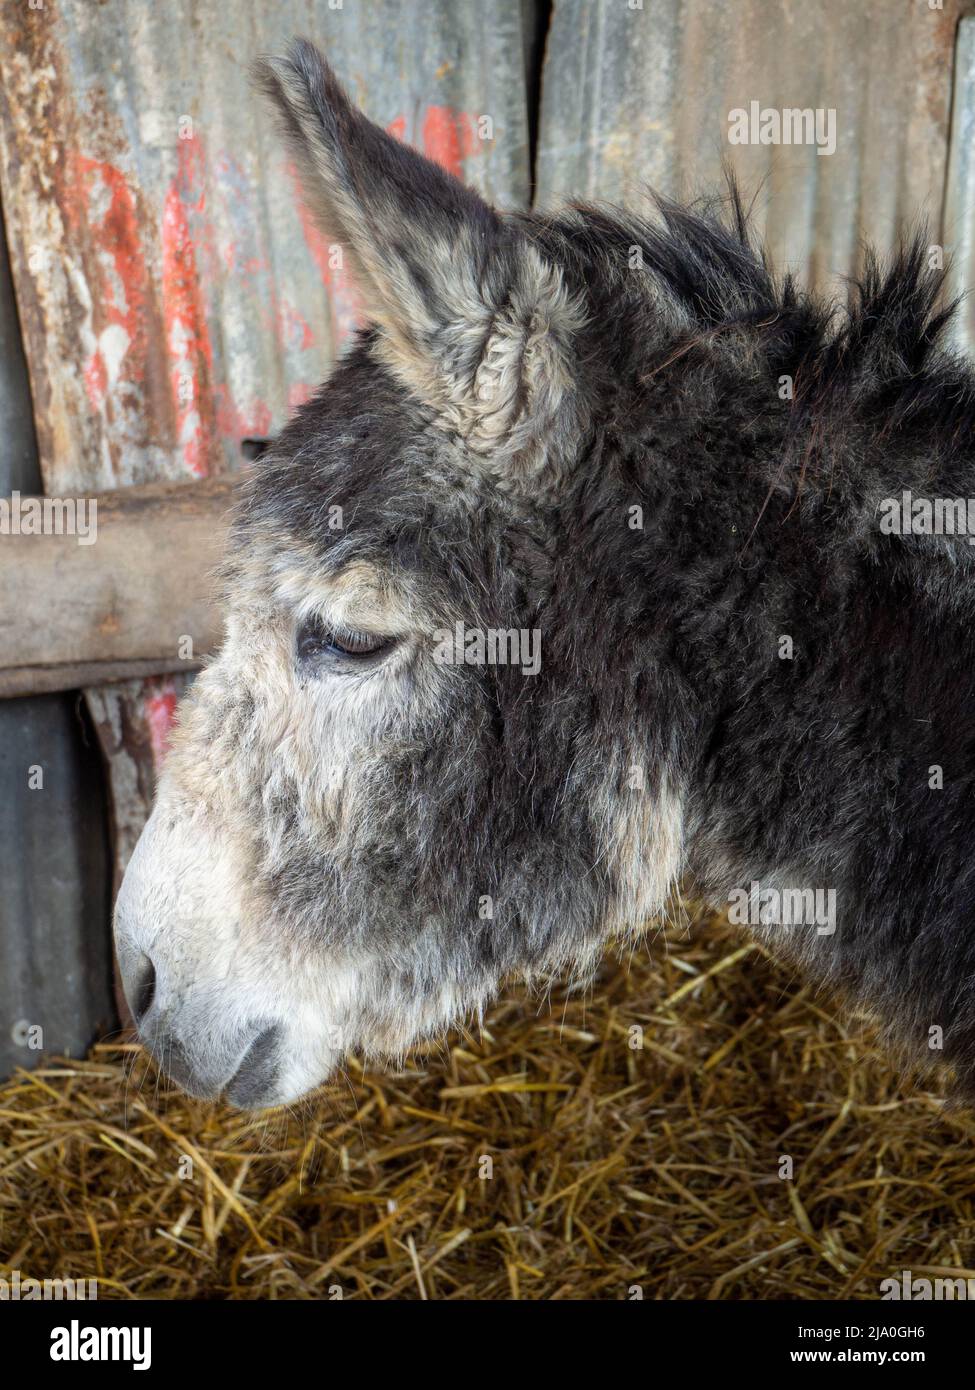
{"x":551,"y":1156}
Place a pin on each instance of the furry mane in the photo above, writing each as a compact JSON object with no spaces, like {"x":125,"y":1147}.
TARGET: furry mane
{"x":882,"y":356}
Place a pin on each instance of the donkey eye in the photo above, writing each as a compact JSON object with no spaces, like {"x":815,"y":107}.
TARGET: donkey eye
{"x":316,"y":639}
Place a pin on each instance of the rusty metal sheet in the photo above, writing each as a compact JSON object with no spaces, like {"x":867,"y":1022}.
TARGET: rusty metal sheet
{"x":175,"y":297}
{"x":641,"y":95}
{"x":54,"y":948}
{"x":959,"y":219}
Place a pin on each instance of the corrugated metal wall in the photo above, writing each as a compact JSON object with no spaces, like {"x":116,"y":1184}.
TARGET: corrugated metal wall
{"x":637,"y":97}
{"x":174,"y":298}
{"x":158,"y":236}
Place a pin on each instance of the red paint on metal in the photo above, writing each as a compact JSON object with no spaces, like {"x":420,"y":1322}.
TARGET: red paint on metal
{"x":448,"y":137}
{"x":240,"y":421}
{"x":96,"y":380}
{"x":160,"y":710}
{"x":96,"y":196}
{"x":184,"y":316}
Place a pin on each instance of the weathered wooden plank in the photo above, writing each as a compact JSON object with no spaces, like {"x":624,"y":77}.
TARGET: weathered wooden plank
{"x":140,"y":587}
{"x":640,"y":96}
{"x":47,"y":680}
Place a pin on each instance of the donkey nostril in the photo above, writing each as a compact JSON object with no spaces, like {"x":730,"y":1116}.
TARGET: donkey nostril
{"x":254,"y":1078}
{"x":144,"y":989}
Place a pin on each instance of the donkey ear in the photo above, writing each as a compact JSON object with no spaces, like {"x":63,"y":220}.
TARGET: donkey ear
{"x":472,"y":319}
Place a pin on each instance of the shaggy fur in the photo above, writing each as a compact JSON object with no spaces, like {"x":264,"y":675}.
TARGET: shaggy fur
{"x":543,"y":431}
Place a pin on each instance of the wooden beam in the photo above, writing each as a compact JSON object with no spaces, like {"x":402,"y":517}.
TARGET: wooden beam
{"x":45,"y":680}
{"x":75,"y":614}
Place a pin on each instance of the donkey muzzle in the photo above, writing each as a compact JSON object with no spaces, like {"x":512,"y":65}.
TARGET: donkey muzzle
{"x":245,"y":1064}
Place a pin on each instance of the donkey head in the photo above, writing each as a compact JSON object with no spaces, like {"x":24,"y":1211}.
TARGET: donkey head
{"x":400,"y":779}
{"x":567,"y":580}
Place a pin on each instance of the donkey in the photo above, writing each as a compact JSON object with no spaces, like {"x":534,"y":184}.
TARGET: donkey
{"x":676,"y":473}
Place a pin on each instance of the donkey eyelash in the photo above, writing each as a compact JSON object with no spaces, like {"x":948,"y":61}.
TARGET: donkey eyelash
{"x":317,"y":639}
